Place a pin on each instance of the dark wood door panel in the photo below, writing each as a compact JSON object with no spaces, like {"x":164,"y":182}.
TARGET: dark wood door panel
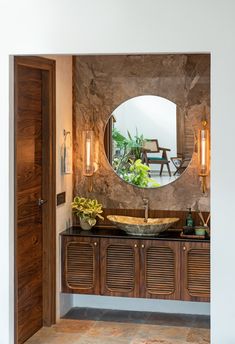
{"x":30,"y":87}
{"x":29,"y":213}
{"x":27,"y":278}
{"x":29,"y":245}
{"x":34,"y":81}
{"x":195,"y":269}
{"x":30,"y":248}
{"x":29,"y":149}
{"x":29,"y":310}
{"x":119,"y":267}
{"x":160,"y":269}
{"x":30,"y":176}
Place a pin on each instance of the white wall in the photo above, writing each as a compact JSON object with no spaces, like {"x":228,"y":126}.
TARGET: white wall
{"x":127,"y":26}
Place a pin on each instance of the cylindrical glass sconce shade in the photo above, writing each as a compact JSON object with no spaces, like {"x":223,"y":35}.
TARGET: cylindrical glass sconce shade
{"x":88,"y":153}
{"x":203,"y":151}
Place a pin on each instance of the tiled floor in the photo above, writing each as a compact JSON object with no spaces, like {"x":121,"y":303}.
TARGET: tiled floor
{"x":93,"y":326}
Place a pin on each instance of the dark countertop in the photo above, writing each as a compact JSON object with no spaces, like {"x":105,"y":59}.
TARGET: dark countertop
{"x":113,"y":232}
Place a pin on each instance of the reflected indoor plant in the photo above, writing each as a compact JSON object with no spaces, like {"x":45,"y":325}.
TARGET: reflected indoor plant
{"x":87,"y":210}
{"x":138,"y":174}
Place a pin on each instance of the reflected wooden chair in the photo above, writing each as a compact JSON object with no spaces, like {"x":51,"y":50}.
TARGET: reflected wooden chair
{"x":180,"y":164}
{"x":152,"y":146}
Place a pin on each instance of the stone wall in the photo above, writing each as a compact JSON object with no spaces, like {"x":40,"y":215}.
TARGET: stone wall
{"x":101,"y":83}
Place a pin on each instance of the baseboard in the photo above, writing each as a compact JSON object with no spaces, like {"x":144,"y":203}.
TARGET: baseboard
{"x":146,"y":305}
{"x":66,"y":303}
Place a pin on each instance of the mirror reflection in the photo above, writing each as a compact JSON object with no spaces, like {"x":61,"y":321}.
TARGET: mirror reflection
{"x":148,"y":141}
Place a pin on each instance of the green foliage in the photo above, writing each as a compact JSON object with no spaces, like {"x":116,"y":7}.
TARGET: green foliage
{"x":130,"y":146}
{"x":135,"y":144}
{"x":130,"y":149}
{"x":128,"y":165}
{"x":87,"y":209}
{"x":138,"y":174}
{"x":120,"y":140}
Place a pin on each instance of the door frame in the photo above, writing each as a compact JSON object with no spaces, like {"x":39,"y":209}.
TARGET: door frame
{"x":47,"y":67}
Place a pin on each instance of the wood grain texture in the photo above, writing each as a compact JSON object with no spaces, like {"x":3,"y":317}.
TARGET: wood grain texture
{"x":160,"y":270}
{"x":119,"y":267}
{"x":80,"y":265}
{"x":173,"y":270}
{"x":195,"y":271}
{"x":34,"y":109}
{"x":29,"y":216}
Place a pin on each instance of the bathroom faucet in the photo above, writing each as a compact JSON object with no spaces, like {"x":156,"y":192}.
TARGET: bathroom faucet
{"x":146,"y":209}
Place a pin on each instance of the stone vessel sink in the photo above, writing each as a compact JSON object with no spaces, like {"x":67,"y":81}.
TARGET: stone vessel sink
{"x":137,"y":225}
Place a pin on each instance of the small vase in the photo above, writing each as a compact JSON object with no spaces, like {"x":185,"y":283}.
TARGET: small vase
{"x":201,"y":230}
{"x":85,"y":225}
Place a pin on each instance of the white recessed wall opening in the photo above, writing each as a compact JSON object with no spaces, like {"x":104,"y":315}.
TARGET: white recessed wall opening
{"x":78,"y":28}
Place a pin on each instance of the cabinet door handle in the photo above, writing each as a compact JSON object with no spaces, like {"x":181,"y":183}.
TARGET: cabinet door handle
{"x":184,"y":248}
{"x":95,"y":243}
{"x":142,"y":246}
{"x":135,"y":245}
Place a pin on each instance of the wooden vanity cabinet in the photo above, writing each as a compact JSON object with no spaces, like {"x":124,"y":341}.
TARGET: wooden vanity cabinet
{"x":140,"y":268}
{"x":130,"y":267}
{"x":160,"y":269}
{"x":195,"y":271}
{"x":80,"y":265}
{"x":119,"y":267}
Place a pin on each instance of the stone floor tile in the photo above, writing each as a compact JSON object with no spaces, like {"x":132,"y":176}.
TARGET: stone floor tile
{"x":125,"y":316}
{"x":55,"y":338}
{"x":78,"y":313}
{"x":163,"y":319}
{"x":156,"y":341}
{"x":74,"y":326}
{"x":103,"y":340}
{"x":198,"y":335}
{"x":121,"y":327}
{"x":169,"y":333}
{"x":113,"y":330}
{"x":201,"y":321}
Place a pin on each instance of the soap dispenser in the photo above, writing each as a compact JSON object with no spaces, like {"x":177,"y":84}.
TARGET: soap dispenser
{"x":189,"y":219}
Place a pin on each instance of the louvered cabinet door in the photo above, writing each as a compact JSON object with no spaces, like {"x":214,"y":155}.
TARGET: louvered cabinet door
{"x":119,"y":268}
{"x":80,"y":265}
{"x":195,"y":271}
{"x":160,"y":269}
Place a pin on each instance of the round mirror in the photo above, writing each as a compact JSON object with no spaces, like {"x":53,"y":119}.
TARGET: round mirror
{"x":148,"y":141}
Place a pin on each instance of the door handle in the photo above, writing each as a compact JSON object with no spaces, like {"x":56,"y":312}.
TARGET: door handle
{"x":41,"y":202}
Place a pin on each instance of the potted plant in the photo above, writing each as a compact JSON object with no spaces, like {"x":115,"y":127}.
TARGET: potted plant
{"x":87,"y":210}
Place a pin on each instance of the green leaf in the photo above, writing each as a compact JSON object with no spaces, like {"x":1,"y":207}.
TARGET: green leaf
{"x":87,"y":208}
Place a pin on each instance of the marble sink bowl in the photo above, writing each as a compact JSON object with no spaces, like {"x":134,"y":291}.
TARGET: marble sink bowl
{"x":137,"y":225}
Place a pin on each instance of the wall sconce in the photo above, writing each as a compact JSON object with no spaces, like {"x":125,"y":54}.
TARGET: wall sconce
{"x":88,"y":156}
{"x":203,"y":153}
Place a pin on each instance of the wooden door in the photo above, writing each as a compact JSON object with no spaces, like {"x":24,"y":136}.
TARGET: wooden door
{"x":80,"y":265}
{"x":160,"y":269}
{"x":195,"y":262}
{"x":119,"y":269}
{"x":34,"y":265}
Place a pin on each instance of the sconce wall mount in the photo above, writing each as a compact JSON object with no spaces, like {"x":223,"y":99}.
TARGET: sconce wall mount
{"x":88,"y":156}
{"x":203,"y":153}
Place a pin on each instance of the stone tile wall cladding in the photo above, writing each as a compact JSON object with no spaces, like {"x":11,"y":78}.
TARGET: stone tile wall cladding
{"x":101,"y":83}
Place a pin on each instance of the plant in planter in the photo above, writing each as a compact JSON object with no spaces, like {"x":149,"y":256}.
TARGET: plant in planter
{"x":138,"y":175}
{"x":87,"y":210}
